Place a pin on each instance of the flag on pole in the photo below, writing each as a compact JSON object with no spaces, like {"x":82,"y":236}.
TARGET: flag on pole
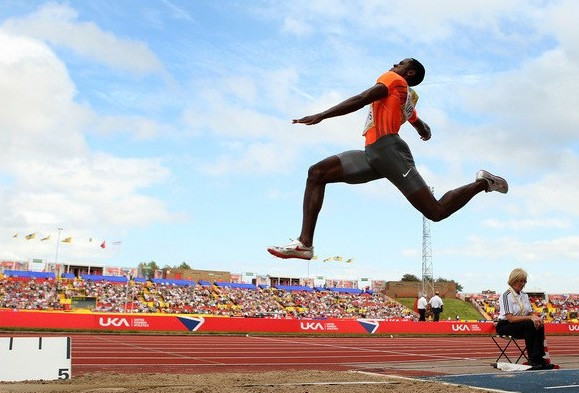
{"x":67,"y":240}
{"x":45,"y":238}
{"x":103,"y":244}
{"x":339,"y":259}
{"x":15,"y":235}
{"x":31,"y":236}
{"x":350,"y":260}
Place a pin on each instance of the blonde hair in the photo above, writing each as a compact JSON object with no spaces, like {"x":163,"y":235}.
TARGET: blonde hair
{"x":517,"y":274}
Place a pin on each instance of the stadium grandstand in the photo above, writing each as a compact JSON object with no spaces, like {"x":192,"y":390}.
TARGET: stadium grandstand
{"x":43,"y":291}
{"x":281,"y":298}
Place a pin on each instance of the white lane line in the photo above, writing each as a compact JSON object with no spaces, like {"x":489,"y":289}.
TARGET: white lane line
{"x":173,"y":355}
{"x":325,"y":383}
{"x":359,"y":349}
{"x":561,"y":387}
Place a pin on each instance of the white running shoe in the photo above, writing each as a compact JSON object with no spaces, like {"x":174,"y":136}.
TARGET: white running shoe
{"x":496,"y":183}
{"x":295,"y":249}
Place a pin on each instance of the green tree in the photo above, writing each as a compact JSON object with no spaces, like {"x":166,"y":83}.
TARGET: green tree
{"x":147,"y":269}
{"x":409,"y":277}
{"x":153,"y":265}
{"x":184,"y":265}
{"x":458,"y":286}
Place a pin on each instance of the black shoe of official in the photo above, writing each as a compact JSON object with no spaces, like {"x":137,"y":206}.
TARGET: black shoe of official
{"x":535,"y":366}
{"x":547,"y":366}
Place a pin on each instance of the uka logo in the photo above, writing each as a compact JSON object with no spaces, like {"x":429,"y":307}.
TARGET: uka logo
{"x":311,"y":326}
{"x":574,"y":328}
{"x":116,"y":322}
{"x":460,"y":328}
{"x":318,"y":326}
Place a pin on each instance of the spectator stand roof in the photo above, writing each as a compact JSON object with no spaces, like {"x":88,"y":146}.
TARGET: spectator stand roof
{"x":181,"y":283}
{"x":29,"y":274}
{"x":235,"y":285}
{"x":294,"y":288}
{"x":354,"y":291}
{"x":95,"y":277}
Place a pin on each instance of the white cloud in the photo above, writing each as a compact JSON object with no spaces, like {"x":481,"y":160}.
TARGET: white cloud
{"x":562,"y":17}
{"x":526,"y":224}
{"x":59,"y":24}
{"x":138,"y":127}
{"x":429,"y":22}
{"x":250,"y":118}
{"x":532,"y":98}
{"x":297,"y":27}
{"x":555,"y":192}
{"x":178,"y":12}
{"x":539,"y":251}
{"x":227,"y":117}
{"x":243,"y":88}
{"x":250,"y":159}
{"x":50,"y":176}
{"x":264,"y":143}
{"x":277,"y":194}
{"x":38,"y":102}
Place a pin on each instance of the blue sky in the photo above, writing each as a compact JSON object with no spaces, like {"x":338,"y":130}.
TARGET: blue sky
{"x":166,"y":125}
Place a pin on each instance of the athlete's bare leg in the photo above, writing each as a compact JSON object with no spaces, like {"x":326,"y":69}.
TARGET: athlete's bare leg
{"x":452,"y":201}
{"x":330,"y":170}
{"x":326,"y":171}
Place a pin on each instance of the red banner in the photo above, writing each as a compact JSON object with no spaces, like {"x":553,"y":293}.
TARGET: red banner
{"x":174,"y":323}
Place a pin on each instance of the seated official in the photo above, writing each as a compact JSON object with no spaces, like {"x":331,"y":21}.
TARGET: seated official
{"x":517,"y":319}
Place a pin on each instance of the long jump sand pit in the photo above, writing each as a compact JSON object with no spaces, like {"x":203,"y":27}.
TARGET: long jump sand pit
{"x":255,"y":382}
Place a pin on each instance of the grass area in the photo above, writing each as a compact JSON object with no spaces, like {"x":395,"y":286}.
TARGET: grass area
{"x":452,"y":308}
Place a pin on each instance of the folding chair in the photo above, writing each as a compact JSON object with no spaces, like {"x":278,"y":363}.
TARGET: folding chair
{"x":498,"y":340}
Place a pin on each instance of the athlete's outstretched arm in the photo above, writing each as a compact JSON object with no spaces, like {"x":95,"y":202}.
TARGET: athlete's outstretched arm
{"x":422,"y":128}
{"x":352,"y":104}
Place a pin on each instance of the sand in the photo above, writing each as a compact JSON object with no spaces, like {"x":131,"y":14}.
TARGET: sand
{"x":258,"y":382}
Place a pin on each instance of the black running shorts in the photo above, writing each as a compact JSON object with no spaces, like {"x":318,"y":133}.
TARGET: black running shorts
{"x":389,"y":157}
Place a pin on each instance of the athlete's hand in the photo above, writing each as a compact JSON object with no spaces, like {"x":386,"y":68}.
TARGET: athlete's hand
{"x":423,"y":129}
{"x":426,"y":135}
{"x":309,"y":120}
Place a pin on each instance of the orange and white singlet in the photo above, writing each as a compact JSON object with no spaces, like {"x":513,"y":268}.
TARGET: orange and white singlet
{"x":388,"y":114}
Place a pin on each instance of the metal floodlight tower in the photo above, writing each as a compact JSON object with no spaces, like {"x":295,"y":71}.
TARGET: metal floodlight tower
{"x":427,"y":275}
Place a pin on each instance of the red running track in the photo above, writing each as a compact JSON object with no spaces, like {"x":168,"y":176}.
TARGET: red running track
{"x":207,"y":353}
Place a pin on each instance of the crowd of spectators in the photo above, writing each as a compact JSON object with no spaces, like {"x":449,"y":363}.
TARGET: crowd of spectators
{"x":29,"y":294}
{"x":487,"y":304}
{"x":148,"y":297}
{"x":560,"y":308}
{"x":552,"y":308}
{"x":268,"y":302}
